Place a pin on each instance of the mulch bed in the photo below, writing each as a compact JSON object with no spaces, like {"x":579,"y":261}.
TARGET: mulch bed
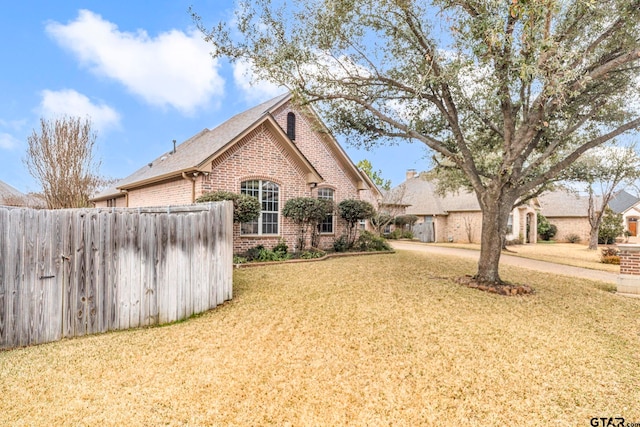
{"x":508,"y":289}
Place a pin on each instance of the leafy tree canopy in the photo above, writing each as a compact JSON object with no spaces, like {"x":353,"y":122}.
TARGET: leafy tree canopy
{"x":376,"y":176}
{"x":509,"y":92}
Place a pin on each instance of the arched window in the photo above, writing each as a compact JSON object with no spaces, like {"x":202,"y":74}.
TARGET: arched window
{"x":326,"y":226}
{"x":267,"y":193}
{"x":291,"y":126}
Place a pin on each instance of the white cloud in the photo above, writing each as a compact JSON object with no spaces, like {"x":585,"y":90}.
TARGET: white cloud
{"x":173,"y":69}
{"x":8,"y":142}
{"x":254,"y":90}
{"x":71,"y":103}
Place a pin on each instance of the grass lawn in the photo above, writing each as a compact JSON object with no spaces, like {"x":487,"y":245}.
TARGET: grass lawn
{"x":375,"y":340}
{"x":573,"y":254}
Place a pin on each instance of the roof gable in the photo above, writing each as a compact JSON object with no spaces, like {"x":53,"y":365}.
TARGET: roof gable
{"x":197,"y":152}
{"x":623,"y":201}
{"x":362,"y":181}
{"x":8,"y":191}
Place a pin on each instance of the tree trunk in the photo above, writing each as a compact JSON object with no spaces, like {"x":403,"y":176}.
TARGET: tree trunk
{"x":495,"y":215}
{"x":593,"y":236}
{"x":595,"y":219}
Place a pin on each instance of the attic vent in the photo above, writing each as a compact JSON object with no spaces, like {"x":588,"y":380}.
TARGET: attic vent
{"x":291,"y":126}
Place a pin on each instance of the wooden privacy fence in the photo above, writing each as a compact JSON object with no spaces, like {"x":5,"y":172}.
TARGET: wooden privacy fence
{"x":69,"y":273}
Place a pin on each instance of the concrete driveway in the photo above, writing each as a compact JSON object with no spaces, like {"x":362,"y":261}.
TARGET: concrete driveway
{"x":547,"y":267}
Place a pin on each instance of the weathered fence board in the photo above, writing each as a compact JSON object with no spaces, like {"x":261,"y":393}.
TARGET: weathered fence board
{"x":70,"y":273}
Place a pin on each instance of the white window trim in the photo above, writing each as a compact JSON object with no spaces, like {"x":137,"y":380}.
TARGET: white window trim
{"x":279,"y":224}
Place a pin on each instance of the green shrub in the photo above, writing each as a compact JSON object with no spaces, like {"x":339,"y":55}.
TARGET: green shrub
{"x":307,"y":213}
{"x":239,"y":260}
{"x":269,"y":255}
{"x":573,"y":238}
{"x":546,"y":230}
{"x":341,"y":244}
{"x":312,"y":253}
{"x":395,"y":234}
{"x":407,"y":234}
{"x":281,"y":247}
{"x":245,"y":208}
{"x":253,"y":253}
{"x":353,"y":211}
{"x":369,"y":242}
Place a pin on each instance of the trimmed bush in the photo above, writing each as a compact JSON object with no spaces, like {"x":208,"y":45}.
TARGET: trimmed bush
{"x":369,"y":242}
{"x":353,"y":211}
{"x":341,"y":244}
{"x":245,"y":208}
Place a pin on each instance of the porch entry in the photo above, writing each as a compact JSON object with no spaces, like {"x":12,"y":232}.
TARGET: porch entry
{"x":632,"y":226}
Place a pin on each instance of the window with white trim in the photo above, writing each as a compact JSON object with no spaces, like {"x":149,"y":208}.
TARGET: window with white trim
{"x":326,"y":226}
{"x":267,"y":193}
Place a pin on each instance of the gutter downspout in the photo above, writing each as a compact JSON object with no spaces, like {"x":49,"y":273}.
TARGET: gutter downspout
{"x":193,"y":186}
{"x":126,"y":197}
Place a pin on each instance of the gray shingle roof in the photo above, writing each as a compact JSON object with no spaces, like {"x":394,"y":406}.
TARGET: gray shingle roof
{"x":563,"y":203}
{"x":622,"y":201}
{"x":8,"y":191}
{"x":191,"y":153}
{"x":420,"y":194}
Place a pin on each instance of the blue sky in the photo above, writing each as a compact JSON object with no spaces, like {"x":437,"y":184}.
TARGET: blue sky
{"x":140,"y":70}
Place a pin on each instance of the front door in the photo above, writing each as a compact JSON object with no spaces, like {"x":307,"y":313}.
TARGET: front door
{"x":633,"y":226}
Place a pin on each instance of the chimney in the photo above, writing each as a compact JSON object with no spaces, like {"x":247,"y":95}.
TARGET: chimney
{"x":411,"y":173}
{"x":174,"y":146}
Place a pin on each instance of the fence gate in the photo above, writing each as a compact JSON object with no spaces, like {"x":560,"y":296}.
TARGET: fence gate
{"x":424,"y":231}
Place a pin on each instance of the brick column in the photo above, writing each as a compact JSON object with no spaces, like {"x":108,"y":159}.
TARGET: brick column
{"x":629,"y":278}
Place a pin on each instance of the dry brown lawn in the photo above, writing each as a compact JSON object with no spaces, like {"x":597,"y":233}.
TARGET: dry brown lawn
{"x":365,"y":341}
{"x":575,"y":254}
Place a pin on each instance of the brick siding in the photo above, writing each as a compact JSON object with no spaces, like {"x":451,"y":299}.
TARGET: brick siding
{"x":261,"y":155}
{"x":570,"y":225}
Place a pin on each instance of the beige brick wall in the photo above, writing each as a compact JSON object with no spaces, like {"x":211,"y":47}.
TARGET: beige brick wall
{"x":571,"y":225}
{"x":459,"y":225}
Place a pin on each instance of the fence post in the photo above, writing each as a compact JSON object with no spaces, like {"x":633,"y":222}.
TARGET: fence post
{"x":629,"y":278}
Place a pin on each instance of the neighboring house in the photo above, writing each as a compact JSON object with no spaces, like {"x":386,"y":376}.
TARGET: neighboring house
{"x":569,"y":212}
{"x":10,"y":196}
{"x":456,"y":217}
{"x":275,"y":151}
{"x":629,"y":207}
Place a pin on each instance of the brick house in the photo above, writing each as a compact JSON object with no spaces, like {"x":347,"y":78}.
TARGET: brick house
{"x":275,"y":151}
{"x":455,"y":217}
{"x":569,"y":212}
{"x":10,"y":196}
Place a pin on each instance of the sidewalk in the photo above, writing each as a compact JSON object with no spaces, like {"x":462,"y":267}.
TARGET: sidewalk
{"x":532,"y":264}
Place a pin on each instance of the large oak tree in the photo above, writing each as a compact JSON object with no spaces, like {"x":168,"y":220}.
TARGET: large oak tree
{"x":511,"y":92}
